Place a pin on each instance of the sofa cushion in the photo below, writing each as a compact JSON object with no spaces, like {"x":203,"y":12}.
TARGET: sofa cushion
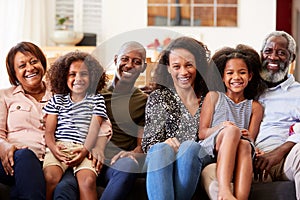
{"x":279,"y":190}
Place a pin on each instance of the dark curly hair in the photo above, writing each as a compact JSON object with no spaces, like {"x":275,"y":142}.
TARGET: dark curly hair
{"x":25,"y":48}
{"x":58,"y":72}
{"x":162,"y":78}
{"x":250,"y":56}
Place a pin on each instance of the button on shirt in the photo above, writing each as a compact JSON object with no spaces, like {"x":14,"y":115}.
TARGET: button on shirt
{"x":281,"y":110}
{"x":21,"y":119}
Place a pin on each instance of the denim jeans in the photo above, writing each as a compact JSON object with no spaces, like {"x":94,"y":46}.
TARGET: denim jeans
{"x":67,"y":188}
{"x":118,"y":179}
{"x":173,"y":175}
{"x":28,"y":181}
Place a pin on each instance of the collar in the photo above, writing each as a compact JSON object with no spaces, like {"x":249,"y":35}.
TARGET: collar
{"x":18,"y":89}
{"x":286,"y":84}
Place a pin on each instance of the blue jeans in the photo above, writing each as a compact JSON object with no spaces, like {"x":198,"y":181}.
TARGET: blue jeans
{"x":28,"y":181}
{"x":118,"y":179}
{"x":67,"y":188}
{"x":173,"y":175}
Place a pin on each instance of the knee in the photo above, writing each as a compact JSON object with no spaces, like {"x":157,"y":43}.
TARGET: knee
{"x":51,"y":178}
{"x":161,"y":148}
{"x":244,"y":147}
{"x":231,"y":133}
{"x":24,"y":154}
{"x":189,"y":148}
{"x":87,"y":182}
{"x":126,"y":165}
{"x":190,"y":145}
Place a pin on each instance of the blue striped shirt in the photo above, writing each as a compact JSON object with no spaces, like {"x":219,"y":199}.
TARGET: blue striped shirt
{"x":73,"y":119}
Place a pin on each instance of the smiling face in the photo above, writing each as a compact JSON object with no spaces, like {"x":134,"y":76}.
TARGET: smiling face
{"x":129,"y":65}
{"x":29,"y":71}
{"x":236,"y":76}
{"x":78,"y":80}
{"x":182,"y":67}
{"x":275,"y":59}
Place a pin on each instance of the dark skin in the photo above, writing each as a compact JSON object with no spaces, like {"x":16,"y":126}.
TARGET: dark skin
{"x":275,"y":51}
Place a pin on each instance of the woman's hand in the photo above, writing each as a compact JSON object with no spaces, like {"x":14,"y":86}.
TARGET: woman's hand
{"x":7,"y":158}
{"x":173,"y":142}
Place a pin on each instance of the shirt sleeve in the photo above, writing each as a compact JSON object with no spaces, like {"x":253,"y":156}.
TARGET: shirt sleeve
{"x":52,"y":106}
{"x":100,"y":108}
{"x":294,"y":138}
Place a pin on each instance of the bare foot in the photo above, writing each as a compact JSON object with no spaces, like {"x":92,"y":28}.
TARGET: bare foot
{"x":226,"y":196}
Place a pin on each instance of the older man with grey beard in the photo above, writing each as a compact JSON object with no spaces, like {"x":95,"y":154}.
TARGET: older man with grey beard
{"x":278,"y":155}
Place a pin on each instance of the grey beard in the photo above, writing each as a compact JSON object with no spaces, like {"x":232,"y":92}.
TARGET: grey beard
{"x":271,"y":77}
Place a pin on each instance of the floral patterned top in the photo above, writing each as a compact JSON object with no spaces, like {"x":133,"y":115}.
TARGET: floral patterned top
{"x":167,"y":117}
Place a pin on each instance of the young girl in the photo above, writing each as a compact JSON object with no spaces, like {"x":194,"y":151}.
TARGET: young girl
{"x":228,"y":122}
{"x":74,"y":116}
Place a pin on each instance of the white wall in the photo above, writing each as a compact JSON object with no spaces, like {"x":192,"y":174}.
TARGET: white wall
{"x":256,"y":19}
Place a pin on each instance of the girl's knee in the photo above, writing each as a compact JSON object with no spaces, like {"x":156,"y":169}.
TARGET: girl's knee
{"x":86,"y":179}
{"x":52,"y":177}
{"x":244,"y":147}
{"x":231,"y":133}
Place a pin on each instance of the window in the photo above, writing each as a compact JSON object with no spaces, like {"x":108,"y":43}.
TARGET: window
{"x":192,"y":12}
{"x":84,"y":15}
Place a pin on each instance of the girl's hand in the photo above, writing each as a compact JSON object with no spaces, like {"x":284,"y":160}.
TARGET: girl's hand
{"x":58,"y":152}
{"x":174,"y":143}
{"x":258,"y":152}
{"x":245,"y":133}
{"x":79,"y":155}
{"x":228,"y":123}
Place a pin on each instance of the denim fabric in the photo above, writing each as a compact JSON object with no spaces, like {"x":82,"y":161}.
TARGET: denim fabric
{"x":67,"y":188}
{"x":118,"y":179}
{"x":173,"y":175}
{"x":28,"y":181}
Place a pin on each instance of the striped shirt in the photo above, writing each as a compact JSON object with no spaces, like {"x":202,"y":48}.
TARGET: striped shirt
{"x":228,"y":110}
{"x":73,"y":119}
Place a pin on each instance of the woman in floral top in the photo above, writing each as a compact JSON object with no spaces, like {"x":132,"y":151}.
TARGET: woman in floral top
{"x":174,"y":159}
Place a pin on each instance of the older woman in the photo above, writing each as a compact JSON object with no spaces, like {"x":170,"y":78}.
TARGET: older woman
{"x":22,"y":143}
{"x":174,"y":157}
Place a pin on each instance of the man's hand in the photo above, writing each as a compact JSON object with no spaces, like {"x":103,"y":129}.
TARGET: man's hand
{"x":123,"y":154}
{"x":265,"y":161}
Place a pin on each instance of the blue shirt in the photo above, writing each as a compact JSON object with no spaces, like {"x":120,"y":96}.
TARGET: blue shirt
{"x":73,"y":119}
{"x":281,"y":110}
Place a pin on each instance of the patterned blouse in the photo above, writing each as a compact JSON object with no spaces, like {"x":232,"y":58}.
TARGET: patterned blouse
{"x":167,"y":117}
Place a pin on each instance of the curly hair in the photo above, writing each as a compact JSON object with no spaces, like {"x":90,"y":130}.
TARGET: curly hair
{"x":251,"y":58}
{"x":25,"y":48}
{"x":58,"y":72}
{"x":163,"y":79}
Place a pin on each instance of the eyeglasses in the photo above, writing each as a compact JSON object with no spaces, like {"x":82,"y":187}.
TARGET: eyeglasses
{"x":134,"y":61}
